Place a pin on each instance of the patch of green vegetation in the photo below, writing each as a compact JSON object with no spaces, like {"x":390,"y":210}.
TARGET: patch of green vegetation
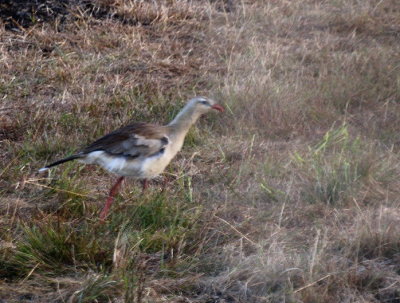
{"x":71,"y":192}
{"x":193,"y":138}
{"x":335,"y":168}
{"x":34,"y":150}
{"x":159,"y":223}
{"x":69,"y":120}
{"x":96,"y":288}
{"x":54,"y":248}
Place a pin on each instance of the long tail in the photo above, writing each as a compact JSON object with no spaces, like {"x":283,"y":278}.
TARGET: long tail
{"x":70,"y":158}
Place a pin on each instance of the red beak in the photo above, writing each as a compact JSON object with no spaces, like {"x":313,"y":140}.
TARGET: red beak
{"x":218,"y":107}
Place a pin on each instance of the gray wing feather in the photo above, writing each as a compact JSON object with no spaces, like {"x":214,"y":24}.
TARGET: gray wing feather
{"x":137,"y":146}
{"x":129,"y":141}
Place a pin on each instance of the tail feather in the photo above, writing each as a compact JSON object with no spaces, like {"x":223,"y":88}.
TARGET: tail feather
{"x":70,"y":158}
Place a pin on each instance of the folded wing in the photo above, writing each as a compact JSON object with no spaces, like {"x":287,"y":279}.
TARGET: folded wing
{"x":134,"y":140}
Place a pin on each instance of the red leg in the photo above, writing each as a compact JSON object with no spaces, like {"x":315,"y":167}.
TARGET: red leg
{"x":110,"y":198}
{"x":145,"y":184}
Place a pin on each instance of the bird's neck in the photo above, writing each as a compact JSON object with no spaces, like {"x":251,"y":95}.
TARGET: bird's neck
{"x":184,"y":120}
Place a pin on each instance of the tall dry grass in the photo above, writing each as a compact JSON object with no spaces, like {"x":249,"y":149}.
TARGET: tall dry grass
{"x":290,"y":196}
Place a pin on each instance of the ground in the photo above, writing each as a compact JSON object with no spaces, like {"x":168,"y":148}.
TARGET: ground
{"x":291,"y":195}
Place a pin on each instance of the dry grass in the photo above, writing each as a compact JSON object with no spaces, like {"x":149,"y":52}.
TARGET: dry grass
{"x":291,"y":196}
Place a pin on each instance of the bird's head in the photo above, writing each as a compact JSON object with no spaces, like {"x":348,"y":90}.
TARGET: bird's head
{"x":195,"y":108}
{"x":204,"y":105}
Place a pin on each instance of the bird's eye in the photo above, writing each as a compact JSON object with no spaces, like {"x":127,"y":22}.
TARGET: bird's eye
{"x":205,"y":102}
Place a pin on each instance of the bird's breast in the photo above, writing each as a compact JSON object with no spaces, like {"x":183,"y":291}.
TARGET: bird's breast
{"x":154,"y":165}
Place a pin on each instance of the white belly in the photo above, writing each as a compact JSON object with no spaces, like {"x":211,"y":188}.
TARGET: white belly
{"x":140,"y":168}
{"x":123,"y":166}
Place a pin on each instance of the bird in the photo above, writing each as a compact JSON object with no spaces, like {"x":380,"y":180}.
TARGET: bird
{"x":141,"y":150}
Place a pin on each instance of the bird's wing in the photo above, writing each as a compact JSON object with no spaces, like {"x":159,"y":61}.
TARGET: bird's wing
{"x":134,"y":140}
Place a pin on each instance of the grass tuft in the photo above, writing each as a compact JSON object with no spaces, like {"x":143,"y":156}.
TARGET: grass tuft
{"x":338,"y":167}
